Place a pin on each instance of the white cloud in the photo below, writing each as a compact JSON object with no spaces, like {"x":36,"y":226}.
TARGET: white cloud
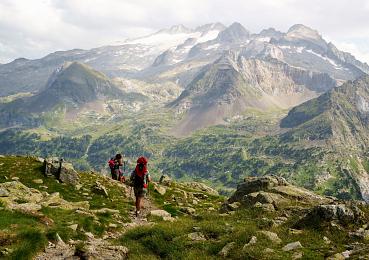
{"x":35,"y":28}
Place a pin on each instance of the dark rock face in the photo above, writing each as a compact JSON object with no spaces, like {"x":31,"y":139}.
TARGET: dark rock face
{"x":344,"y":214}
{"x":61,"y":170}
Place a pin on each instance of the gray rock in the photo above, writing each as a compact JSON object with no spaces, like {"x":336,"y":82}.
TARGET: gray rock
{"x":73,"y":227}
{"x":326,"y":240}
{"x":266,"y":207}
{"x":59,"y":240}
{"x":343,"y":214}
{"x":272,"y":237}
{"x":105,"y":210}
{"x":292,"y":246}
{"x":337,"y":256}
{"x":89,"y":235}
{"x":188,"y":210}
{"x":268,"y":251}
{"x":226,"y":249}
{"x":4,"y":193}
{"x":263,"y":198}
{"x":159,"y":189}
{"x":99,"y":189}
{"x":255,"y":184}
{"x":78,"y":186}
{"x":297,"y":255}
{"x":62,"y":171}
{"x":160,"y":213}
{"x":38,"y":181}
{"x":196,"y":236}
{"x":165,"y":180}
{"x":252,"y":241}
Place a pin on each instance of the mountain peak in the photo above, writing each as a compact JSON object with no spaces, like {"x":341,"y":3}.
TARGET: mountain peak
{"x":210,"y":26}
{"x":301,"y":31}
{"x":234,"y":33}
{"x":175,"y":29}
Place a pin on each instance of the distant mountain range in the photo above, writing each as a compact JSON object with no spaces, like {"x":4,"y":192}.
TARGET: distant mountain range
{"x":285,"y":103}
{"x":222,"y":70}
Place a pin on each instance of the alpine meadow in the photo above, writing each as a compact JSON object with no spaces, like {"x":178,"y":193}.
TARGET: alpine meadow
{"x":209,"y":141}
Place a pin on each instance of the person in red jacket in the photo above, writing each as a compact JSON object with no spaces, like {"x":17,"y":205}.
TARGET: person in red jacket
{"x":140,"y":178}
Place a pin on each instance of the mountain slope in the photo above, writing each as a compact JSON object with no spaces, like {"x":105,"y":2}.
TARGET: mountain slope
{"x":234,"y":83}
{"x":71,"y":86}
{"x":339,"y":117}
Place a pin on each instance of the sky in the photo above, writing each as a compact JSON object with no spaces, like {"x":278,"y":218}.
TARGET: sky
{"x":35,"y":28}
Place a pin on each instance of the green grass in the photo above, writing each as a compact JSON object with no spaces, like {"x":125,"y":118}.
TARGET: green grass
{"x":29,"y":233}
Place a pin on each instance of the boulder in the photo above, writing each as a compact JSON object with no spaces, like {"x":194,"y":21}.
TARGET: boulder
{"x":73,"y":227}
{"x":263,"y":198}
{"x":252,"y":241}
{"x":196,"y":236}
{"x":4,"y":192}
{"x":341,"y":213}
{"x":188,"y":210}
{"x":273,"y":190}
{"x":99,"y":189}
{"x":226,"y":249}
{"x":255,"y":184}
{"x":160,"y":189}
{"x":62,"y":171}
{"x":272,"y":237}
{"x":292,"y":246}
{"x":161,"y":214}
{"x":165,"y":180}
{"x":38,"y":181}
{"x":266,"y":207}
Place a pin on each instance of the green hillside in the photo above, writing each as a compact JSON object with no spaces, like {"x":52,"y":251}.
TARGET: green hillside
{"x":90,"y":224}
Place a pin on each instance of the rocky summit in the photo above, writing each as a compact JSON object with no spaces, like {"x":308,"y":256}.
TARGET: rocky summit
{"x":265,"y":218}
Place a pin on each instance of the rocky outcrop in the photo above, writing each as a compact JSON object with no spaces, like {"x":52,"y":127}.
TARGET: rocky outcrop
{"x":28,"y":200}
{"x":200,"y":186}
{"x":62,"y":171}
{"x":273,"y":190}
{"x":271,"y":193}
{"x":343,"y":214}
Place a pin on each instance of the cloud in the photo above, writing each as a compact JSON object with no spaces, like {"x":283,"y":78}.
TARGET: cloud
{"x":35,"y":28}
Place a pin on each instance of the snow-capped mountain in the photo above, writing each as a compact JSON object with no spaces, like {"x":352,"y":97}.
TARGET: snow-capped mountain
{"x":212,"y":63}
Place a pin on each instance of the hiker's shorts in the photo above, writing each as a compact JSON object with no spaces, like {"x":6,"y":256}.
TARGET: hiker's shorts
{"x":140,"y":192}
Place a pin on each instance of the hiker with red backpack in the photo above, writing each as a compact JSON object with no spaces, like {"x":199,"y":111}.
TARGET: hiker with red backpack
{"x":140,"y":179}
{"x":115,"y":170}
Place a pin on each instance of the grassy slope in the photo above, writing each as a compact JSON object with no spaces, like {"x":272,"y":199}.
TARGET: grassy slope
{"x":19,"y":231}
{"x":26,"y":235}
{"x":220,"y":156}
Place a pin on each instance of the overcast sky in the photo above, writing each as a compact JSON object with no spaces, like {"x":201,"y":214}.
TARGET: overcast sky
{"x":34,"y":28}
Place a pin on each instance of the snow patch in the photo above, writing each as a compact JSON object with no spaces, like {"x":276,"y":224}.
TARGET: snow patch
{"x":263,"y":39}
{"x":214,"y":46}
{"x":332,"y":62}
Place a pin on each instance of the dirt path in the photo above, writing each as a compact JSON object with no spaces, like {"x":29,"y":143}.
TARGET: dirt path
{"x":148,"y":206}
{"x":102,"y":248}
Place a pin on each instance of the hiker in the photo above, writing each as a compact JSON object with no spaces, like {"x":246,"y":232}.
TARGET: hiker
{"x":140,"y":179}
{"x":114,"y":165}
